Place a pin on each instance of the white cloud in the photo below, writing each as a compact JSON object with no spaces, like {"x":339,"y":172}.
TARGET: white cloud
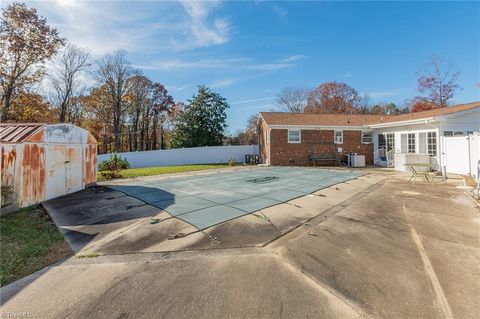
{"x":152,"y":26}
{"x":222,"y":83}
{"x":386,"y":93}
{"x":179,"y":88}
{"x":293,"y":58}
{"x":270,"y":66}
{"x":254,"y":100}
{"x":348,"y":75}
{"x":230,"y":63}
{"x":203,"y":32}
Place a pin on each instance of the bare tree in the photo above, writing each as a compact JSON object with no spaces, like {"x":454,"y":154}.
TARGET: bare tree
{"x":114,"y":70}
{"x":292,"y":99}
{"x":140,"y":105}
{"x":438,"y":83}
{"x":26,"y":43}
{"x":65,"y":78}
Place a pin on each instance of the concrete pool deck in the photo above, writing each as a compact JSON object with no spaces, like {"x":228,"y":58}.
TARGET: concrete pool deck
{"x":221,"y":209}
{"x":382,"y":248}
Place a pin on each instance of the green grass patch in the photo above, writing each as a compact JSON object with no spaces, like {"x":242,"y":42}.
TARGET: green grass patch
{"x":91,"y":255}
{"x":29,"y":241}
{"x":136,"y":172}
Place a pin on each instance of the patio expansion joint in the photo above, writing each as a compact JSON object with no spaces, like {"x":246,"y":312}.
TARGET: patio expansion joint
{"x":329,"y":212}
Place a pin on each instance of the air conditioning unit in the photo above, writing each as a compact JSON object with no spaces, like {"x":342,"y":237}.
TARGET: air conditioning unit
{"x":357,"y":160}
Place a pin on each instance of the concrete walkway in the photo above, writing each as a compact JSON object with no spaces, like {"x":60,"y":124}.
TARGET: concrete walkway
{"x":382,"y":248}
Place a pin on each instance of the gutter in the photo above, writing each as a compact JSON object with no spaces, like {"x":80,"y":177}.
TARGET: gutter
{"x":408,"y":122}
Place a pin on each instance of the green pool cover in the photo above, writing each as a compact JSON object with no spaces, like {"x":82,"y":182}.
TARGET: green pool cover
{"x":205,"y":200}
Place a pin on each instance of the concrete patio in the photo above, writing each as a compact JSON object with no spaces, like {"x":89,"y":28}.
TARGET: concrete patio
{"x":374,"y":246}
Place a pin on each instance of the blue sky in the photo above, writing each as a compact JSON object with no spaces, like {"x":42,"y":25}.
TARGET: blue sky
{"x":248,"y":51}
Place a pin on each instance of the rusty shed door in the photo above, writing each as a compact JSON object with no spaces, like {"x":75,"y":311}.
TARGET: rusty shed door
{"x":73,"y":169}
{"x":64,"y":167}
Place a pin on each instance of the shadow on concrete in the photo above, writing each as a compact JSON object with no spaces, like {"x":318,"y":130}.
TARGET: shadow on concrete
{"x":93,"y":213}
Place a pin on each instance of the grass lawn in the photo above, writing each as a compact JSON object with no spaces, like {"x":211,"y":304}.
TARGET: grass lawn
{"x":29,"y":241}
{"x":135,"y":172}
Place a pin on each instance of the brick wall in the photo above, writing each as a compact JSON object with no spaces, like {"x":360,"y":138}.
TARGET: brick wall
{"x":314,"y":141}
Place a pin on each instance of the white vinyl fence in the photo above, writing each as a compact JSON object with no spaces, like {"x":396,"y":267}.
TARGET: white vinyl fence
{"x":183,"y":156}
{"x":462,"y":154}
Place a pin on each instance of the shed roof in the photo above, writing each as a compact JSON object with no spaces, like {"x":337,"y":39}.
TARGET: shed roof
{"x":282,"y":118}
{"x":18,"y":132}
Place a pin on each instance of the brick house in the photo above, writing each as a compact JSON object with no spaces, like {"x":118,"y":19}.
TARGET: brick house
{"x":291,"y":138}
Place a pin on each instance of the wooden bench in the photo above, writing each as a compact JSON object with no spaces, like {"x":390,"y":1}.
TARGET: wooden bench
{"x":322,"y":157}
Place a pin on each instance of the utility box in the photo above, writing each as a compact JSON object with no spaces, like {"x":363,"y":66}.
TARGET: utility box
{"x":357,"y":160}
{"x":42,"y":161}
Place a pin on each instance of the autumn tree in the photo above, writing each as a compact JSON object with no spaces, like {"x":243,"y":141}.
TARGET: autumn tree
{"x":203,"y":122}
{"x":420,"y":104}
{"x":333,"y":97}
{"x":98,"y":115}
{"x":114,"y":70}
{"x":26,"y":43}
{"x":437,"y":84}
{"x":29,"y":107}
{"x":139,"y":111}
{"x":65,"y":80}
{"x":163,"y":104}
{"x":292,"y":99}
{"x":248,"y":136}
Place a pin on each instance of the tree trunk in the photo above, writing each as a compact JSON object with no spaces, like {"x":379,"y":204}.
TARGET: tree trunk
{"x":154,"y":132}
{"x":162,"y":142}
{"x":6,"y":105}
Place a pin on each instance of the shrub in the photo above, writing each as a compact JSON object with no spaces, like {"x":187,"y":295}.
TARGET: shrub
{"x":111,"y":168}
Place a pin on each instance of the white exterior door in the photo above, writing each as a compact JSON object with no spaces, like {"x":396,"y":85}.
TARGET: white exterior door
{"x":55,"y":170}
{"x":73,"y":169}
{"x":456,"y":154}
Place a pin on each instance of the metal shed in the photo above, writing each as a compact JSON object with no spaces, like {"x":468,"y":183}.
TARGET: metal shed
{"x":44,"y":161}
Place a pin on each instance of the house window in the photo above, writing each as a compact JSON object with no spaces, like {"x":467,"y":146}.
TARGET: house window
{"x":458,"y":133}
{"x":432,"y":143}
{"x":294,"y":136}
{"x":447,"y":133}
{"x":367,"y":137}
{"x":411,"y":143}
{"x":469,"y":132}
{"x":390,"y":137}
{"x":338,"y":137}
{"x":407,"y":143}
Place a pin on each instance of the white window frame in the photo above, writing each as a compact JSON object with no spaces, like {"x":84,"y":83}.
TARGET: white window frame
{"x":411,"y":141}
{"x":299,"y":136}
{"x":432,"y":143}
{"x":335,"y":140}
{"x":371,"y":137}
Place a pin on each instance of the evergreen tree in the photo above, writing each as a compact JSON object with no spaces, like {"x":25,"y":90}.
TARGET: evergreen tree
{"x":203,"y":122}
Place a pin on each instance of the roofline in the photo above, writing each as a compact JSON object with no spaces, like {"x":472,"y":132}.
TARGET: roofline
{"x":406,"y":122}
{"x":317,"y":127}
{"x":377,"y":125}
